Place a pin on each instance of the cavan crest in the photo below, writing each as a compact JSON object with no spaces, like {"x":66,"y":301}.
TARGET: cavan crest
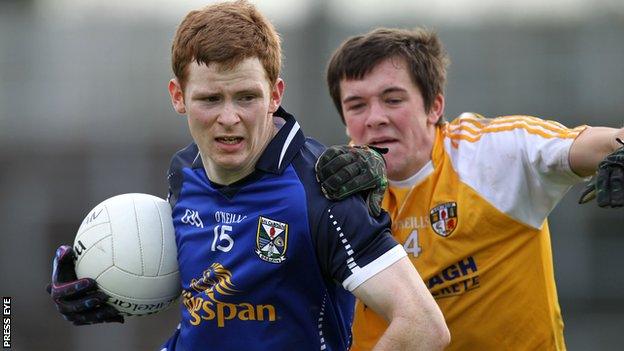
{"x":444,"y":218}
{"x":271,"y":240}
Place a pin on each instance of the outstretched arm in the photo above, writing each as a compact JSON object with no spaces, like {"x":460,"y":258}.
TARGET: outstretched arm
{"x":399,"y":295}
{"x":591,"y":147}
{"x":600,"y":150}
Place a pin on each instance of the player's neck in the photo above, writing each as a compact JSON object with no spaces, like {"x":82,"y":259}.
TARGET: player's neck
{"x":419,"y":160}
{"x":227,"y":177}
{"x":415,"y":162}
{"x":410,"y":170}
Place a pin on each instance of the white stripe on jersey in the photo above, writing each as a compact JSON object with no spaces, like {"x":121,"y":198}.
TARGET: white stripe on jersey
{"x":362,"y":274}
{"x":289,"y":138}
{"x":520,"y":166}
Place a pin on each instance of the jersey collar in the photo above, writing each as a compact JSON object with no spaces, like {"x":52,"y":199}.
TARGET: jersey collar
{"x":284,"y":145}
{"x":416,"y":178}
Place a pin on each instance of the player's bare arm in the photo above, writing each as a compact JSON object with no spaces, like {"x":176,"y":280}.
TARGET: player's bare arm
{"x":592,"y":146}
{"x":400,"y":296}
{"x":600,"y":150}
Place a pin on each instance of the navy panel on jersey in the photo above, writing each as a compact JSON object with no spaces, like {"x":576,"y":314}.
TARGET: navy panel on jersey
{"x":262,"y":260}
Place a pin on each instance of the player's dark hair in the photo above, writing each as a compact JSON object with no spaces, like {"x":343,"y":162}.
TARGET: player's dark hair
{"x":420,"y":48}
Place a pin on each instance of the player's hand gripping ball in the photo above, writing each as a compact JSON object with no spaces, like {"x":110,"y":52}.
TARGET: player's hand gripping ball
{"x":78,"y":300}
{"x":608,"y":184}
{"x":346,"y":170}
{"x":123,"y":262}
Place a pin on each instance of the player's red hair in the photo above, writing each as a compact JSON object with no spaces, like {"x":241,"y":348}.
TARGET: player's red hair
{"x":226,"y":33}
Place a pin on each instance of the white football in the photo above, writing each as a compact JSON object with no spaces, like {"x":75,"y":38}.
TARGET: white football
{"x":127,"y":244}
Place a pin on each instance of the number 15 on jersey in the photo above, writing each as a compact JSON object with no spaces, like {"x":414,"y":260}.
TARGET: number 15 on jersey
{"x":221,"y":237}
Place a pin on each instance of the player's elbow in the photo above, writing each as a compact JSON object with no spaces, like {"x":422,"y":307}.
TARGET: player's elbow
{"x":441,"y":334}
{"x":427,"y":332}
{"x":436,"y":335}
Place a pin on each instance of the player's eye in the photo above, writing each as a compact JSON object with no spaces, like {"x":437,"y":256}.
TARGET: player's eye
{"x":393,"y":101}
{"x":355,"y":107}
{"x":212,"y":98}
{"x":247,"y":98}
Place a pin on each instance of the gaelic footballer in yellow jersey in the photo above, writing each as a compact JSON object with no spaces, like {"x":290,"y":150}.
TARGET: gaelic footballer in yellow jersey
{"x":478,"y":235}
{"x":470,"y":198}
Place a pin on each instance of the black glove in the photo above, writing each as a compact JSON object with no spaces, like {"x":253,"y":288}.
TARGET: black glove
{"x":345,"y":170}
{"x":78,"y":300}
{"x":608,"y":184}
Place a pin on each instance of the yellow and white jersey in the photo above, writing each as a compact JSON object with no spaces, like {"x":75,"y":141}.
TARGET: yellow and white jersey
{"x":473,"y":222}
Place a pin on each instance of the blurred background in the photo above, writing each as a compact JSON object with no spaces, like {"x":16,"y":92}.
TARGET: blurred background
{"x":85,"y":115}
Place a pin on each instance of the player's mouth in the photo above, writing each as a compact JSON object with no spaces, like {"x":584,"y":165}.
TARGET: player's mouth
{"x":229,"y":143}
{"x":229,"y":140}
{"x":383,"y":142}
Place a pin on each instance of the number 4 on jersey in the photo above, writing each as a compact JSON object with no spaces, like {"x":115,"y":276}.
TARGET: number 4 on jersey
{"x":411,"y":244}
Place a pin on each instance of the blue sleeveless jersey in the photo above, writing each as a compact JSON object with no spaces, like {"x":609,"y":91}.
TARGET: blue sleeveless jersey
{"x":267,"y":263}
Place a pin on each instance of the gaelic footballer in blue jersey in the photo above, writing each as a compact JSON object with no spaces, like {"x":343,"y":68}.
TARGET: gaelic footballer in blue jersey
{"x":269,"y":261}
{"x":266,"y":261}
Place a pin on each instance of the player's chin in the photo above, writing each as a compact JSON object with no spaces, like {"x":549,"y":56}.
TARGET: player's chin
{"x":395,"y":167}
{"x":392,"y":171}
{"x":232,"y":163}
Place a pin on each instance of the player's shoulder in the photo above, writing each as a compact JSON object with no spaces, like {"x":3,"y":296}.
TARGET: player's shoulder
{"x":181,"y":159}
{"x":304,"y":165}
{"x":473,"y":127}
{"x":305,"y":161}
{"x":311,"y":151}
{"x":501,"y":143}
{"x":523,"y":153}
{"x":184,"y":158}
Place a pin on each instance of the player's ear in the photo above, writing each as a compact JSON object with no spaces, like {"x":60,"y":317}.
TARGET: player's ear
{"x":437,"y":109}
{"x":177,"y":96}
{"x":277,"y":92}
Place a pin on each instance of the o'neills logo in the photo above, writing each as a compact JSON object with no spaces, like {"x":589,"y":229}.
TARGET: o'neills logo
{"x":217,"y":279}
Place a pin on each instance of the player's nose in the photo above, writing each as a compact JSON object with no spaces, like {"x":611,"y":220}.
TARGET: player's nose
{"x":228,"y":116}
{"x":376,"y":116}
